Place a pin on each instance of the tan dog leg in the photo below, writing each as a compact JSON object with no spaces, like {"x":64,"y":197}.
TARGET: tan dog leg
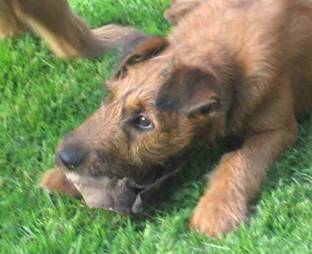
{"x":9,"y":23}
{"x":55,"y":180}
{"x":66,"y":33}
{"x":237,"y":181}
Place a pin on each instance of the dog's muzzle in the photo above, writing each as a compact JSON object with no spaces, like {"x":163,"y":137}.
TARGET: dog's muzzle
{"x":123,"y":196}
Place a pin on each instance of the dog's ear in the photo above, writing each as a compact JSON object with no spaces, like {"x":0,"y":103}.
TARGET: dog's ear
{"x":191,"y":92}
{"x":142,"y":49}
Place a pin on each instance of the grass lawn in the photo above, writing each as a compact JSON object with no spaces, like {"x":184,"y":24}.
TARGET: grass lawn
{"x":41,"y":98}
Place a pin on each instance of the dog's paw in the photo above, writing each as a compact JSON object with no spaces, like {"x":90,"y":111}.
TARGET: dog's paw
{"x":55,"y":180}
{"x":214,"y":217}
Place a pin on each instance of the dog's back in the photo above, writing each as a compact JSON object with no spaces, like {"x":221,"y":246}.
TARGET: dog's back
{"x":266,"y":38}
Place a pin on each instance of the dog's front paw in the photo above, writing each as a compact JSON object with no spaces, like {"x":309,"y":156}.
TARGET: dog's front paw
{"x":55,"y":180}
{"x":216,"y":216}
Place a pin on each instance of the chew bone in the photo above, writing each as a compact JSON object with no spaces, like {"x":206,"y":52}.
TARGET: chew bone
{"x":119,"y":195}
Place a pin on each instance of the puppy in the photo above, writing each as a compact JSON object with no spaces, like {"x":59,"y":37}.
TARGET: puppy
{"x":239,"y":68}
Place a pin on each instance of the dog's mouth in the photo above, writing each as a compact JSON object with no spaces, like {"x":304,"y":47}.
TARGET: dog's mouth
{"x":124,"y":195}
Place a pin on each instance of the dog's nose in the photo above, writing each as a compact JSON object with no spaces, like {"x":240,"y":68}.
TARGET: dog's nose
{"x":71,"y":157}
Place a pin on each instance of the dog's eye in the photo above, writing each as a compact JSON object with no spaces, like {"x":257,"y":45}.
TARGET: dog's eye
{"x":143,"y":123}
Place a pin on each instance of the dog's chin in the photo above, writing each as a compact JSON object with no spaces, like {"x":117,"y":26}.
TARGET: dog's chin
{"x":124,"y":195}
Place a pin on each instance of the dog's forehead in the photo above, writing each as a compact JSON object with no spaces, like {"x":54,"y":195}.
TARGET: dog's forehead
{"x":142,"y":81}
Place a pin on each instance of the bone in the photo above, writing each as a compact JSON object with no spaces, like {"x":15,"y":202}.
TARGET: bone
{"x":120,"y":195}
{"x":102,"y":192}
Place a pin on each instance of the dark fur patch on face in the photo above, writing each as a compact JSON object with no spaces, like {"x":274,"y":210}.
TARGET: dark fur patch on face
{"x":145,"y":49}
{"x":131,"y":42}
{"x":189,"y":90}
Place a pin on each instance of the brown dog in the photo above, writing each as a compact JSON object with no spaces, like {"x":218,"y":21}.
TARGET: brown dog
{"x":66,"y":33}
{"x":230,"y":68}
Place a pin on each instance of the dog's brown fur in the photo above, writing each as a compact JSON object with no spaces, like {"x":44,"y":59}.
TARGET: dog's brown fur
{"x":9,"y":23}
{"x":65,"y":32}
{"x":56,"y":180}
{"x":179,"y":9}
{"x":230,"y":68}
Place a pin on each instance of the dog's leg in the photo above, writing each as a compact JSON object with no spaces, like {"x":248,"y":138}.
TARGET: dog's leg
{"x":65,"y":32}
{"x":179,"y":9}
{"x":55,"y":180}
{"x":237,"y":181}
{"x":9,"y":23}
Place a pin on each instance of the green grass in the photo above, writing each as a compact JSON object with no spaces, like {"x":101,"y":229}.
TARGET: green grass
{"x":41,"y":98}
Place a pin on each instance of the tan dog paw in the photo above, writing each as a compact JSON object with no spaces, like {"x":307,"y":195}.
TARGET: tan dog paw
{"x":55,"y":180}
{"x":214,"y":217}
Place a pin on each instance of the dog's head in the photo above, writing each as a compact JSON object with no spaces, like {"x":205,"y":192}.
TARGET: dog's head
{"x":156,"y":107}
